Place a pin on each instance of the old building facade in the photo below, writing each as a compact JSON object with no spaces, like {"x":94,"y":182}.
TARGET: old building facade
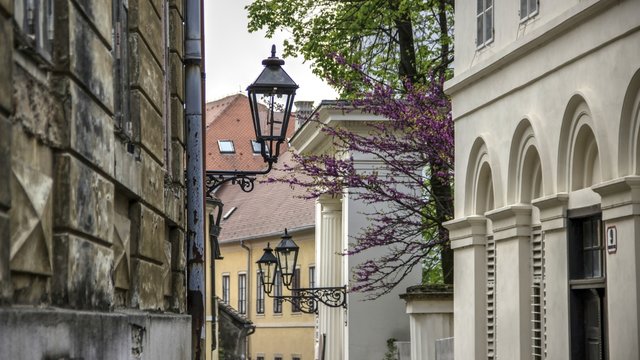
{"x":92,"y":224}
{"x":545,"y":102}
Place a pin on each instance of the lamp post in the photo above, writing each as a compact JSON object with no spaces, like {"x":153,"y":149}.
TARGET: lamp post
{"x":271,"y":99}
{"x":283,"y":264}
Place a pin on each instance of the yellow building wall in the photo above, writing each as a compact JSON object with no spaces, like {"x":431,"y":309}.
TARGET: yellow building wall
{"x":286,"y":334}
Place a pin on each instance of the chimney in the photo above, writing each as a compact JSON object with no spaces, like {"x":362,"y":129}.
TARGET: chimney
{"x":304,"y":109}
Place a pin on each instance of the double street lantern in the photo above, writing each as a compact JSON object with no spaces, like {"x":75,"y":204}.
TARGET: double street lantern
{"x":287,"y":252}
{"x":270,"y":99}
{"x":283,"y":264}
{"x":275,"y":89}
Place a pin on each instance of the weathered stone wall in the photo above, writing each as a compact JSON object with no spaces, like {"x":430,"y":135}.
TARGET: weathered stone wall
{"x":91,"y":163}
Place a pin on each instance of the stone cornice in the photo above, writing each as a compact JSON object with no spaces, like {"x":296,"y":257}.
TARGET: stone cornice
{"x":511,"y":221}
{"x":467,"y":231}
{"x":553,"y":210}
{"x":620,"y":197}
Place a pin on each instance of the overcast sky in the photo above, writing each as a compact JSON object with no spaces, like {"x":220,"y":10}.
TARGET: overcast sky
{"x":233,"y":56}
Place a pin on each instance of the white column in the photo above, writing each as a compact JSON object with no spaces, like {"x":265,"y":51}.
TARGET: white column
{"x":553,"y":211}
{"x":512,"y":236}
{"x":329,"y":272}
{"x":468,"y":241}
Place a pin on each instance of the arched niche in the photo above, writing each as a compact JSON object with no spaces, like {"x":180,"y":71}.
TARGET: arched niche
{"x":578,"y":156}
{"x":479,"y":186}
{"x":525,"y":169}
{"x":629,"y":136}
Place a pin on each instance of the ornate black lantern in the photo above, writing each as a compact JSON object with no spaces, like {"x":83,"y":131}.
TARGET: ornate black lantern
{"x":287,"y":252}
{"x":271,"y":99}
{"x":305,"y":299}
{"x":267,"y":265}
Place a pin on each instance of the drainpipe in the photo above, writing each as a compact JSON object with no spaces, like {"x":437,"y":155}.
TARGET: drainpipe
{"x":248,"y":306}
{"x":195,"y":175}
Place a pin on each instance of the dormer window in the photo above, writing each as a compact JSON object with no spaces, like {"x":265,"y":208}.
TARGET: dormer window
{"x":226,"y":147}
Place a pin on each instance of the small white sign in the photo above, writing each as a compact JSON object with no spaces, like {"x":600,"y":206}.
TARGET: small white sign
{"x":612,"y":239}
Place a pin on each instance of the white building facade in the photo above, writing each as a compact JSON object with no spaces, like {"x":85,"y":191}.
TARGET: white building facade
{"x":361,"y":331}
{"x":546,"y":98}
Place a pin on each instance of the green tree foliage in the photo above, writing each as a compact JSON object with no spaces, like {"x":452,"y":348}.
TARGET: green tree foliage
{"x":369,"y":46}
{"x":392,"y":41}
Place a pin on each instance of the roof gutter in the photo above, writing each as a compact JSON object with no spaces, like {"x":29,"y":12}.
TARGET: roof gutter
{"x":271,"y":234}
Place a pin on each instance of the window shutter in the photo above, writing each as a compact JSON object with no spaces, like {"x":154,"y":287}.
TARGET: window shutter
{"x":491,"y":298}
{"x":538,"y":303}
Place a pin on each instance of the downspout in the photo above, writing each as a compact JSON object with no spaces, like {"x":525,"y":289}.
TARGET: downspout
{"x":195,"y":175}
{"x":248,"y":306}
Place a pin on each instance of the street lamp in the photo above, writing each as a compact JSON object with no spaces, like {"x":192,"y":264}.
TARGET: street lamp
{"x":284,"y":266}
{"x":271,"y":99}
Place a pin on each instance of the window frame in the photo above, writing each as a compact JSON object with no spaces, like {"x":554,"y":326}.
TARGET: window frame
{"x":36,"y":26}
{"x":528,"y":14}
{"x":277,"y":291}
{"x":295,"y":284}
{"x":255,"y":143}
{"x":226,"y":141}
{"x":259,"y":294}
{"x":226,"y":288}
{"x":312,"y":276}
{"x":583,"y":286}
{"x":242,"y":293}
{"x":122,"y":119}
{"x":487,"y":11}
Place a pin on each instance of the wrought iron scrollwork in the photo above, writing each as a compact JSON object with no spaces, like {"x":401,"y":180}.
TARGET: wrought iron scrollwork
{"x":306,"y":299}
{"x":244,"y":179}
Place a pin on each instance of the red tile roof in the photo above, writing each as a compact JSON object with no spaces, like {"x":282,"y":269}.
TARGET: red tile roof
{"x":230,"y":119}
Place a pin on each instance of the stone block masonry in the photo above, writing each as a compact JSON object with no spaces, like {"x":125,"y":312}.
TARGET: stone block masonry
{"x":92,"y":219}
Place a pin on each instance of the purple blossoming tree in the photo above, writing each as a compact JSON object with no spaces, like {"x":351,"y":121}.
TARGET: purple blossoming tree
{"x":382,"y":55}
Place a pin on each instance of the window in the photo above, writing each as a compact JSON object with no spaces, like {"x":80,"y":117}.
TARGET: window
{"x":226,"y":147}
{"x":255,"y":146}
{"x":166,"y":114}
{"x":295,"y":357}
{"x":260,"y":357}
{"x":484,"y":22}
{"x":123,"y":124}
{"x":277,"y":286}
{"x":225,"y":288}
{"x":259,"y":295}
{"x":277,"y":357}
{"x":587,"y":288}
{"x":36,"y":22}
{"x":528,"y":9}
{"x":242,"y":293}
{"x":295,"y":283}
{"x":312,"y":276}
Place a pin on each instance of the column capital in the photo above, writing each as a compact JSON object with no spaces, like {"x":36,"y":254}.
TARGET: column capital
{"x":330,"y":202}
{"x":553,"y":210}
{"x":619,"y":197}
{"x":467,"y":231}
{"x":511,"y":221}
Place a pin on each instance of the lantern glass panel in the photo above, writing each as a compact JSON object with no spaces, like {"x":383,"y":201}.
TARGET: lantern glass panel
{"x":267,"y":265}
{"x":287,"y":260}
